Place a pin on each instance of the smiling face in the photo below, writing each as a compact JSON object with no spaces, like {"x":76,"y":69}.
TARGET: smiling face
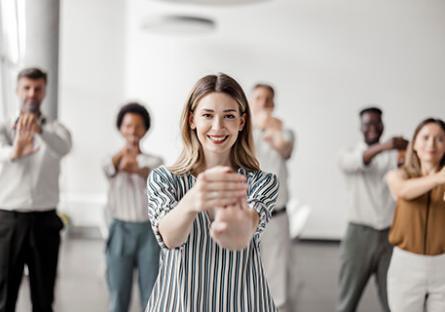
{"x":371,"y":126}
{"x":429,"y":144}
{"x":217,"y":121}
{"x":132,"y":128}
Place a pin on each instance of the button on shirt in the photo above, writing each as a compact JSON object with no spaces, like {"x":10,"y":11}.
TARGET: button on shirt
{"x":370,"y":201}
{"x":271,"y":161}
{"x":31,"y":183}
{"x":127,"y":199}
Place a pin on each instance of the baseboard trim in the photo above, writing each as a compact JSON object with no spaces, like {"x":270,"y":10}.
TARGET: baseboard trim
{"x":321,"y":241}
{"x":84,"y":232}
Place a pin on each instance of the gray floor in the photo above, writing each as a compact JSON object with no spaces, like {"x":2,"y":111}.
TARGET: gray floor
{"x":81,"y":285}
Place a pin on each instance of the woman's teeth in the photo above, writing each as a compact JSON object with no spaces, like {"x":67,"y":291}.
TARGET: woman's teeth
{"x":217,"y":139}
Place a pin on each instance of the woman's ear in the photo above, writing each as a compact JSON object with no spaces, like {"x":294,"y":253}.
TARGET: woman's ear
{"x":191,"y":121}
{"x":242,"y":121}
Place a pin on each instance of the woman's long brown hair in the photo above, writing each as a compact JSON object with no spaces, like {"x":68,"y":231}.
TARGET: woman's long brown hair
{"x":242,"y":153}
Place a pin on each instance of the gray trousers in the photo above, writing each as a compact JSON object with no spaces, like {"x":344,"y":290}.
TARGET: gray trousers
{"x":130,"y":246}
{"x":364,"y":252}
{"x":275,"y":257}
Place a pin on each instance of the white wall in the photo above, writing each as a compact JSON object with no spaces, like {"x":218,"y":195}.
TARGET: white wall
{"x":326,"y":58}
{"x":91,"y":90}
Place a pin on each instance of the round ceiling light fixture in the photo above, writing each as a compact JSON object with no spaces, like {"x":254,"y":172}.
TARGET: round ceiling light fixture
{"x":215,"y":2}
{"x":178,"y":24}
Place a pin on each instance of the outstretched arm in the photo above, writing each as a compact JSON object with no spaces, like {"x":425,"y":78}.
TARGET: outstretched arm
{"x":215,"y":187}
{"x":280,"y":139}
{"x":397,"y":143}
{"x":403,"y":187}
{"x":235,"y":225}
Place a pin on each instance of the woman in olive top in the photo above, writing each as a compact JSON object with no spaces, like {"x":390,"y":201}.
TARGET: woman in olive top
{"x":416,"y":276}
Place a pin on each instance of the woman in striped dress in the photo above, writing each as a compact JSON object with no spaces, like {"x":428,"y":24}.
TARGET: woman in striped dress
{"x":208,"y":210}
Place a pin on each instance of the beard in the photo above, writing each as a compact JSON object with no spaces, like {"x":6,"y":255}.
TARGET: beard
{"x":31,"y":106}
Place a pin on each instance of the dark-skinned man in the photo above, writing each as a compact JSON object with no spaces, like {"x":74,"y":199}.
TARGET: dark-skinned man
{"x":365,"y":250}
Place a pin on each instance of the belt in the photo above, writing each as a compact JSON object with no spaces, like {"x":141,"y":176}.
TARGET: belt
{"x":278,"y":212}
{"x":27,"y":213}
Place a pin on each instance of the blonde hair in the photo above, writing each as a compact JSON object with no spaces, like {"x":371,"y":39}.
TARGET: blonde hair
{"x":412,"y":165}
{"x":242,"y":152}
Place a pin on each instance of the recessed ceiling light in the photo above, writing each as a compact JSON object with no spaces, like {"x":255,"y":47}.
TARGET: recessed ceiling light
{"x":178,"y":24}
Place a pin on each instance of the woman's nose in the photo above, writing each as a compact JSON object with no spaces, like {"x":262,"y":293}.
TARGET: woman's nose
{"x":431,"y":143}
{"x":217,"y":123}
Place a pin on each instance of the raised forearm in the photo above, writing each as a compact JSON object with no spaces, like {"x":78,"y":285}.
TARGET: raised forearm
{"x":283,"y":147}
{"x":281,"y":142}
{"x":177,"y":224}
{"x":412,"y":188}
{"x":116,"y":159}
{"x":58,"y":140}
{"x":143,"y":172}
{"x":373,"y":151}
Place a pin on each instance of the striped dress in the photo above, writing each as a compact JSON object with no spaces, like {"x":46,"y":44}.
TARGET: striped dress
{"x":201,"y":276}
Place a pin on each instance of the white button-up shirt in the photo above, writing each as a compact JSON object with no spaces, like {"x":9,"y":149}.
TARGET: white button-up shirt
{"x":370,"y":202}
{"x":127,"y":199}
{"x":271,"y":161}
{"x":31,"y":183}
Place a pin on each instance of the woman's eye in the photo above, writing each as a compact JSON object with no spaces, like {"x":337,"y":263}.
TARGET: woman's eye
{"x":230,"y":116}
{"x":207,"y":116}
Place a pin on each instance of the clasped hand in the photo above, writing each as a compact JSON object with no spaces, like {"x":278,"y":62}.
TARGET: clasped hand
{"x":222,"y":194}
{"x":128,"y":160}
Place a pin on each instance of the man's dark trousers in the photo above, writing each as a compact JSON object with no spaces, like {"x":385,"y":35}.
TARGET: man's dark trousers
{"x":31,"y":238}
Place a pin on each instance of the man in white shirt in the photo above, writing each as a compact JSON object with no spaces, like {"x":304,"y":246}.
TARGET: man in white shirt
{"x":365,"y":249}
{"x":31,"y":148}
{"x":274,"y":145}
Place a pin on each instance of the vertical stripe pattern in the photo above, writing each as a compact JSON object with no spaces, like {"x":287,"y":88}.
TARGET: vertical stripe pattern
{"x":201,"y":276}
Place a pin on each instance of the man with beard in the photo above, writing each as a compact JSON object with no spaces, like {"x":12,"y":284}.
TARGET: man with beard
{"x":31,"y":149}
{"x":365,"y":250}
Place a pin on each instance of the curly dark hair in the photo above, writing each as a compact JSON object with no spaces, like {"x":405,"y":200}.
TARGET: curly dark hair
{"x":134,"y":108}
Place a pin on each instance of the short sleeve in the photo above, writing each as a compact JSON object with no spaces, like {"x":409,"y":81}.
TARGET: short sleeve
{"x":162,"y":197}
{"x":262,"y":196}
